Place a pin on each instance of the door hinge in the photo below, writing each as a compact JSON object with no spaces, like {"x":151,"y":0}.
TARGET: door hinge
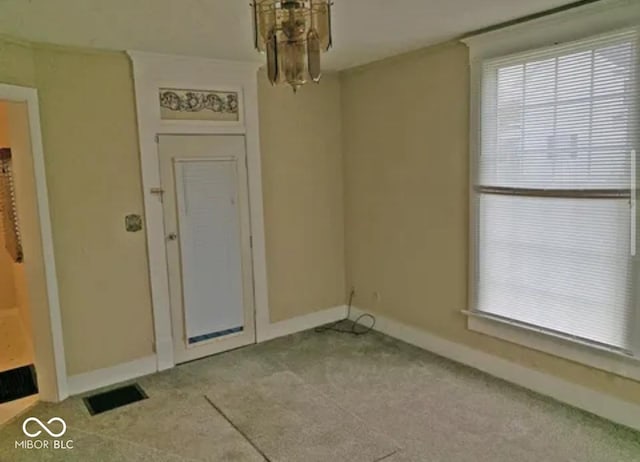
{"x":157,"y":139}
{"x":251,"y":242}
{"x":158,"y":192}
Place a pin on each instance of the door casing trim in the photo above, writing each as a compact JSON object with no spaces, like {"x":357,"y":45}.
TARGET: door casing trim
{"x":205,"y":148}
{"x":49,"y":355}
{"x":152,"y":71}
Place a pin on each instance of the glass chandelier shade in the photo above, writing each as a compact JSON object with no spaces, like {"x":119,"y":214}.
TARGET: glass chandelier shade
{"x":293,"y":34}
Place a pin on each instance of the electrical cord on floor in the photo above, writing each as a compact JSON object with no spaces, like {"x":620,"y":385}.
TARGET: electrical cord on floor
{"x":355,"y":328}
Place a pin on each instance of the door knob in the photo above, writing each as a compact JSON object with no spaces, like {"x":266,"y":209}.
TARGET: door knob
{"x":172,"y":237}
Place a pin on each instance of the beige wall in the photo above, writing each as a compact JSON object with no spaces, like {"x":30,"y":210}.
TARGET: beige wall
{"x":404,"y":133}
{"x":16,"y":62}
{"x":406,"y":176}
{"x":91,"y":155}
{"x":93,"y":173}
{"x":300,"y":137}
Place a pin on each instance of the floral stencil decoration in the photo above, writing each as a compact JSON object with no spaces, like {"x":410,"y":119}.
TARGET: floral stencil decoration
{"x":199,"y":105}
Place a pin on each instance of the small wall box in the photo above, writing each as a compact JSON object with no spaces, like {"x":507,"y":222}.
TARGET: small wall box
{"x":133,"y":223}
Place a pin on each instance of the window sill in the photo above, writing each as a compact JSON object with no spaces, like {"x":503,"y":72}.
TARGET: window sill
{"x":593,"y":356}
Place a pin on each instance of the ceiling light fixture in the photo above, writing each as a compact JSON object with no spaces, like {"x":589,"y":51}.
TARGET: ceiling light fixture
{"x":293,"y":33}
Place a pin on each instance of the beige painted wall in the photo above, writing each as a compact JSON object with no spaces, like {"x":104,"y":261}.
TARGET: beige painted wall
{"x":406,"y":176}
{"x":16,"y":62}
{"x":7,"y":281}
{"x":300,"y":137}
{"x":93,"y":173}
{"x":405,"y":127}
{"x":91,"y":155}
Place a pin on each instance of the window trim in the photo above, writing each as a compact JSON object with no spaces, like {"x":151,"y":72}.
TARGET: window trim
{"x":598,"y":357}
{"x":580,"y":23}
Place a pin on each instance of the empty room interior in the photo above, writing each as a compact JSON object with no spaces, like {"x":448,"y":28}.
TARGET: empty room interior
{"x":430,"y":220}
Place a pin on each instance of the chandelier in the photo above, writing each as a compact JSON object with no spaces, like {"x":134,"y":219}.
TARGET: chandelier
{"x":293,"y":34}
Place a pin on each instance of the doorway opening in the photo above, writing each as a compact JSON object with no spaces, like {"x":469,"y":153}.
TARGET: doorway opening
{"x":31,"y":350}
{"x":18,"y":379}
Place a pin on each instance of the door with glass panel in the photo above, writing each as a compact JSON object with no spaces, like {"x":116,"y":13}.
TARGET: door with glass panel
{"x":207,"y":230}
{"x":555,"y":191}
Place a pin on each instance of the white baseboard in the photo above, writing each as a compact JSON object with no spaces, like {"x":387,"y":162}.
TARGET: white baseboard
{"x":99,"y":378}
{"x":164,"y":354}
{"x":603,"y":405}
{"x":301,"y":323}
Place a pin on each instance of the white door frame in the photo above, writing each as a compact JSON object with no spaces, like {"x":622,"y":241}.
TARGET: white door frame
{"x":151,"y":72}
{"x":229,"y":151}
{"x":58,"y":389}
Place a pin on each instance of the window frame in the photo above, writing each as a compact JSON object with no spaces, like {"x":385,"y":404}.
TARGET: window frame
{"x":548,"y":32}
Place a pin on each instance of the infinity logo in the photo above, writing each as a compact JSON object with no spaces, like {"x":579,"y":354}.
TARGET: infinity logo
{"x":44,"y":427}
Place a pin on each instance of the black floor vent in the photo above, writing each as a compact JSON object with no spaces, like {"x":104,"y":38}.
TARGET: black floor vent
{"x":118,"y":397}
{"x":17,"y":383}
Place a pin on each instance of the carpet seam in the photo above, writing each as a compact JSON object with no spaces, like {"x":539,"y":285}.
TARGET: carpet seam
{"x":236,"y":428}
{"x":387,"y":456}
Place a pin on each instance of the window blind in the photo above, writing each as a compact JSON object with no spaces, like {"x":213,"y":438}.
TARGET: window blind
{"x":555,"y":188}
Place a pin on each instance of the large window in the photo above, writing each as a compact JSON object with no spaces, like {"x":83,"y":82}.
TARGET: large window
{"x":555,"y":190}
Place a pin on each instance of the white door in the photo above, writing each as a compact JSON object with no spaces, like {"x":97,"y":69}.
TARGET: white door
{"x":207,"y":231}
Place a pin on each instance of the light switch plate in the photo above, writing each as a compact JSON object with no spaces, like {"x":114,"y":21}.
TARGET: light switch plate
{"x":133,"y":223}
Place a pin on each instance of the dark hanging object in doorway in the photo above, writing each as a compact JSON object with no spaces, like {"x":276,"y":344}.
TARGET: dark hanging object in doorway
{"x":8,"y":210}
{"x":18,"y":383}
{"x":112,"y":399}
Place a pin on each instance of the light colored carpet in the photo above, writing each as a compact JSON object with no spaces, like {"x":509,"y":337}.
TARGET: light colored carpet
{"x":289,"y":420}
{"x":334,"y":398}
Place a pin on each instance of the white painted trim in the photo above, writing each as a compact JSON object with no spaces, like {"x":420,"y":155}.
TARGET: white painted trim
{"x":151,"y":72}
{"x":30,"y":96}
{"x":598,"y":358}
{"x":609,"y":407}
{"x":565,"y":26}
{"x":304,"y":322}
{"x":108,"y":376}
{"x":578,"y":23}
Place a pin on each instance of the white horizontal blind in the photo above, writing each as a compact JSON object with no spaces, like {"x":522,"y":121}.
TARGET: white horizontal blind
{"x":555,"y":188}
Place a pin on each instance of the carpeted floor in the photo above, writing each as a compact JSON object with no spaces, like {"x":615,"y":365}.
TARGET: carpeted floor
{"x":329,"y":398}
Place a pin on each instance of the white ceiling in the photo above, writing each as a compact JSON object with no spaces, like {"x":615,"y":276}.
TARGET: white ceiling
{"x":364,"y":30}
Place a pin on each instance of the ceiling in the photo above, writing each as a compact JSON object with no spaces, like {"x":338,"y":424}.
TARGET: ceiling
{"x":364,"y":30}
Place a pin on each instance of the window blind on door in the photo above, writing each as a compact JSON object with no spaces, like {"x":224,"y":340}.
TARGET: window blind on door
{"x":555,"y":189}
